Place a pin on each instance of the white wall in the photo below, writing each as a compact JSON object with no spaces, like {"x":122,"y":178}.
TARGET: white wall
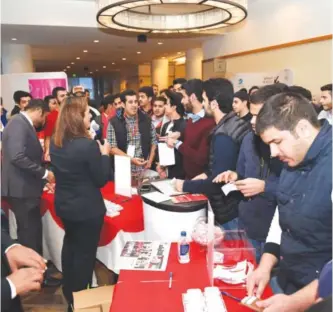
{"x":273,"y":22}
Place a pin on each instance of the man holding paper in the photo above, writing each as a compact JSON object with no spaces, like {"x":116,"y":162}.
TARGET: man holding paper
{"x":133,"y":134}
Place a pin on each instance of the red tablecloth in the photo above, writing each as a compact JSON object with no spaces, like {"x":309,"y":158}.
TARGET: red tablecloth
{"x":130,"y":218}
{"x":157,"y":297}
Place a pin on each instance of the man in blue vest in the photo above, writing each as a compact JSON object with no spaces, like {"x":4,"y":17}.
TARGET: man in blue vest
{"x":301,"y":231}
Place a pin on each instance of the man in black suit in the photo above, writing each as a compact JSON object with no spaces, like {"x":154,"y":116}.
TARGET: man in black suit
{"x":21,"y":271}
{"x":21,"y":99}
{"x":22,"y":173}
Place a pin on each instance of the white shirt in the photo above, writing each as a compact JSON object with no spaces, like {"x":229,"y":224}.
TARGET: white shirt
{"x":31,"y":123}
{"x":326,"y":115}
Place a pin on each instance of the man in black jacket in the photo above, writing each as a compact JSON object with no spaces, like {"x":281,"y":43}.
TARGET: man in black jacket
{"x":22,"y":271}
{"x":133,"y":134}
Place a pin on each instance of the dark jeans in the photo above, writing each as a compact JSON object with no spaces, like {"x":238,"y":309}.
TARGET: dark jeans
{"x":29,"y":222}
{"x":79,"y":254}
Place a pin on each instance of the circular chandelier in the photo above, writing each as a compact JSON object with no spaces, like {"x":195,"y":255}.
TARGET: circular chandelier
{"x":170,"y":16}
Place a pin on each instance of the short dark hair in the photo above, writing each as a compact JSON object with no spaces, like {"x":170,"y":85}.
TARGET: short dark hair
{"x":20,"y":94}
{"x":163,"y":90}
{"x":37,"y":104}
{"x":242,"y":95}
{"x":194,"y":86}
{"x":108,"y":100}
{"x":221,"y":90}
{"x":160,"y":98}
{"x":300,"y":90}
{"x":176,"y":100}
{"x":265,"y":92}
{"x":148,"y":91}
{"x":56,"y":89}
{"x":327,"y":87}
{"x":243,"y":90}
{"x":116,"y":96}
{"x":86,"y":90}
{"x":48,"y":98}
{"x":154,"y":85}
{"x":179,"y":81}
{"x":253,"y":88}
{"x":126,"y":93}
{"x":283,"y":111}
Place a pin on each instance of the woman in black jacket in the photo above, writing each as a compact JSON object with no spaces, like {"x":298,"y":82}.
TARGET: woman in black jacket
{"x":81,"y":167}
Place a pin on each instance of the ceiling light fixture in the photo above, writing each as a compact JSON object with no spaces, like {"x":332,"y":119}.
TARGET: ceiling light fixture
{"x":179,"y":52}
{"x":113,"y":63}
{"x":159,"y":43}
{"x":104,"y":66}
{"x":14,"y":39}
{"x":192,"y":16}
{"x":72,"y":63}
{"x":85,"y":51}
{"x":90,"y":72}
{"x":124,"y":58}
{"x":138,"y":52}
{"x":68,"y":66}
{"x":96,"y":41}
{"x":78,"y":58}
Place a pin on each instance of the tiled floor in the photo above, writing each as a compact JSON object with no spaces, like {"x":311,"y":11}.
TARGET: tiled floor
{"x":51,"y":299}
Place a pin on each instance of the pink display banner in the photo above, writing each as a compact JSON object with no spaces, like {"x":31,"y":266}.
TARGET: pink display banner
{"x":39,"y":88}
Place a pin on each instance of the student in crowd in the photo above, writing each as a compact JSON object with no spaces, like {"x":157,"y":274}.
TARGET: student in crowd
{"x":309,"y":296}
{"x":81,"y":167}
{"x":300,"y":235}
{"x":225,"y":141}
{"x":253,"y":90}
{"x":133,"y":134}
{"x":59,"y":93}
{"x":117,"y":103}
{"x":177,"y":84}
{"x":155,"y":89}
{"x":21,"y":99}
{"x":240,"y":105}
{"x":257,"y":177}
{"x":51,"y":120}
{"x":109,"y":112}
{"x":174,"y":110}
{"x":195,"y":145}
{"x":87,"y":93}
{"x":162,"y":93}
{"x":158,"y":113}
{"x":326,"y":103}
{"x":316,"y":103}
{"x":146,"y":95}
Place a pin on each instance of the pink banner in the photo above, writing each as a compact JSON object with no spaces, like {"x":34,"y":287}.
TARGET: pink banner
{"x":39,"y":88}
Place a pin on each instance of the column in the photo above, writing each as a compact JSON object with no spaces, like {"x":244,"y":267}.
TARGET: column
{"x":16,"y":58}
{"x":160,"y":73}
{"x":194,"y":63}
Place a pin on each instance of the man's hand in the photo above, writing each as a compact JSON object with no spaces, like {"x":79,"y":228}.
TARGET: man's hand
{"x":138,"y":162}
{"x":148,"y":165}
{"x":161,"y":171}
{"x":47,"y":156}
{"x":105,"y":149}
{"x":257,"y":282}
{"x":19,"y":256}
{"x":250,"y":187}
{"x":202,"y":176}
{"x":179,"y":185}
{"x":226,"y":177}
{"x":50,"y":177}
{"x":171,"y":142}
{"x":26,"y":279}
{"x":50,"y":187}
{"x":279,"y":303}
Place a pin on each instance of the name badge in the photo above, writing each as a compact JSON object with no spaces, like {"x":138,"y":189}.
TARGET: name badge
{"x":131,"y":150}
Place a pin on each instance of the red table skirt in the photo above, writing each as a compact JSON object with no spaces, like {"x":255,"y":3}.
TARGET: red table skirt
{"x":157,"y":297}
{"x":130,"y":218}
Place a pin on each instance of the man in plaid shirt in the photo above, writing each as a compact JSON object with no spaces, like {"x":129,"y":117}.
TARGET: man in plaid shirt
{"x":132,"y":133}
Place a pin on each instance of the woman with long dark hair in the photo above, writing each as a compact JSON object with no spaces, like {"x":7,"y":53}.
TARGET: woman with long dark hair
{"x":81,"y":167}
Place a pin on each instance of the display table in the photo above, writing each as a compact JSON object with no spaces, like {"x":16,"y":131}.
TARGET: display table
{"x":115,"y":232}
{"x":149,"y":290}
{"x":165,"y":221}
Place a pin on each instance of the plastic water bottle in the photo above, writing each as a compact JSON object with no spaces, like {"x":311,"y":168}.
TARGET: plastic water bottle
{"x":183,"y":248}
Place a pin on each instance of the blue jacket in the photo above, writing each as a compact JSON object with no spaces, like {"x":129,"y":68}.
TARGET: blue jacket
{"x":256,"y":213}
{"x":305,"y":214}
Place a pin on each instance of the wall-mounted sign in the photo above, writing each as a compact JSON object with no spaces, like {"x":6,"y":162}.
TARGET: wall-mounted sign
{"x":220,"y":65}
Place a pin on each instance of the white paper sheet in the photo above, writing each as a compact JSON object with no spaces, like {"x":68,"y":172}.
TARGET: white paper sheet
{"x":167,"y":187}
{"x":156,"y":197}
{"x":227,"y":188}
{"x":122,"y":176}
{"x":166,"y":155}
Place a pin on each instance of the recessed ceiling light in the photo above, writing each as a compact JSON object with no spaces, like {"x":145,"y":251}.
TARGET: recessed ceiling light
{"x":14,"y":39}
{"x":124,"y":58}
{"x":65,"y":69}
{"x":68,"y":67}
{"x":96,"y":69}
{"x":78,"y":58}
{"x":160,"y":43}
{"x":96,"y":41}
{"x":72,"y":63}
{"x":138,"y":52}
{"x":104,"y":66}
{"x":85,"y":51}
{"x":113,"y":63}
{"x":90,"y":72}
{"x":163,"y":57}
{"x":179,"y":52}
